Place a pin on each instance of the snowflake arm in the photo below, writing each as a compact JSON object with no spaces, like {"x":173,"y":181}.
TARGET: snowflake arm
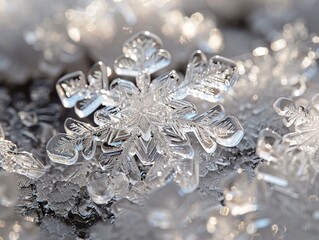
{"x":207,"y":80}
{"x":142,"y":53}
{"x":75,"y":90}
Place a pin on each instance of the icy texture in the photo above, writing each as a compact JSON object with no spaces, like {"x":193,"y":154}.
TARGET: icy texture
{"x":281,"y":201}
{"x":292,"y":191}
{"x":29,"y":120}
{"x":285,"y":68}
{"x":144,"y":126}
{"x":61,"y":189}
{"x":52,"y":228}
{"x":102,"y":187}
{"x":167,"y":214}
{"x":15,"y":161}
{"x":28,"y":124}
{"x":252,"y":105}
{"x":12,"y":225}
{"x":304,"y":118}
{"x":262,"y":74}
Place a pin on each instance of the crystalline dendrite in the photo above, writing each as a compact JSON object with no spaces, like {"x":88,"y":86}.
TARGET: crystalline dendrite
{"x":14,"y":161}
{"x":304,"y":119}
{"x":146,"y":124}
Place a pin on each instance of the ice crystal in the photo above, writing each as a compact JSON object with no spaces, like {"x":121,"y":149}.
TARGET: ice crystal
{"x":252,"y":105}
{"x":257,"y":74}
{"x":15,"y":161}
{"x":304,"y":118}
{"x":29,"y":125}
{"x":281,"y":201}
{"x":285,"y":68}
{"x":292,"y":177}
{"x":143,"y":127}
{"x":61,"y":190}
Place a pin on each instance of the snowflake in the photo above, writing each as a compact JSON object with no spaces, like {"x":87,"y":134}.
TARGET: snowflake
{"x":304,"y":118}
{"x":143,"y":128}
{"x":282,"y":198}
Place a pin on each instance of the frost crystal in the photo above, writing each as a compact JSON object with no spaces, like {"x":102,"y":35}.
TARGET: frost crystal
{"x":143,"y":127}
{"x":15,"y":161}
{"x":293,"y":178}
{"x":304,"y":118}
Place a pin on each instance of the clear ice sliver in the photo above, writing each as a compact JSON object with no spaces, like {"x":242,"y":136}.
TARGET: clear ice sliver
{"x":143,"y":127}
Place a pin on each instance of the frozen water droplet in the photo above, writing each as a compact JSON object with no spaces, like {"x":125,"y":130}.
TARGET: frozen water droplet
{"x":100,"y":187}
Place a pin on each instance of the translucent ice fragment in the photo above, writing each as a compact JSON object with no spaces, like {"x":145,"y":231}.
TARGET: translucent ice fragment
{"x":28,"y":118}
{"x":206,"y":139}
{"x":121,"y":184}
{"x":100,"y":187}
{"x":271,"y":175}
{"x":23,"y":163}
{"x":70,"y":88}
{"x":267,"y":145}
{"x":187,"y":174}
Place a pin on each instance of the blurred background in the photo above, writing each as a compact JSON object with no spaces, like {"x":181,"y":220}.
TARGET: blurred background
{"x":43,"y":39}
